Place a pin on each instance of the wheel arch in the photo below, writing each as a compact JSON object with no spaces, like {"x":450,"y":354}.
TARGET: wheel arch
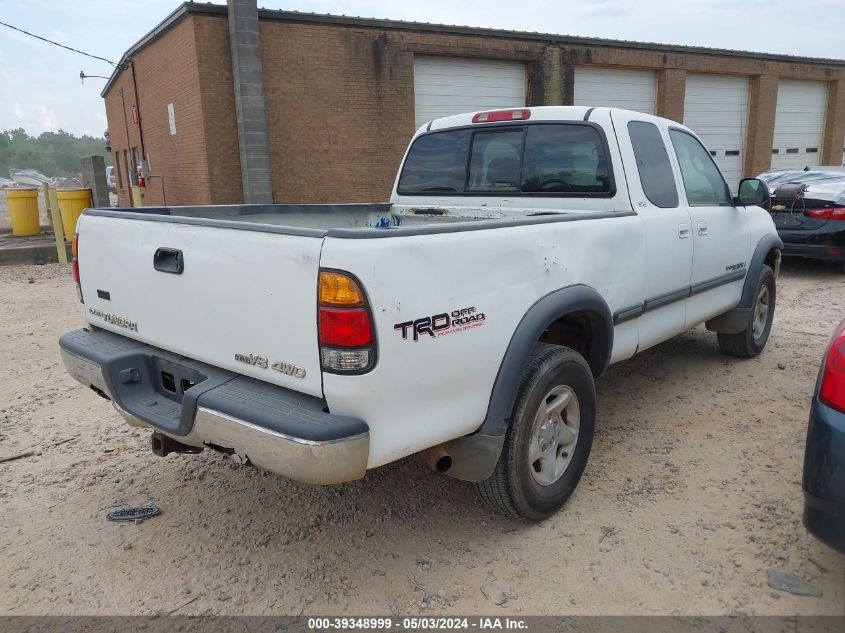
{"x":581,"y":309}
{"x":767,"y":252}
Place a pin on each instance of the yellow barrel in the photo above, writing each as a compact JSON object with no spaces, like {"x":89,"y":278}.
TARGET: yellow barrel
{"x":136,"y":197}
{"x":23,"y":211}
{"x":72,"y":202}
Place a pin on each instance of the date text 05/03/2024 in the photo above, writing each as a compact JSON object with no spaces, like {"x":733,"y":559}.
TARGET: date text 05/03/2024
{"x":417,"y":624}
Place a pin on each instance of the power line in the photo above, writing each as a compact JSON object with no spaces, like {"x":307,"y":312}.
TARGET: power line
{"x":44,"y":39}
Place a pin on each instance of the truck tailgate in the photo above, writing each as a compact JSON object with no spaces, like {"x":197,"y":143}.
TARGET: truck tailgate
{"x":244,"y":301}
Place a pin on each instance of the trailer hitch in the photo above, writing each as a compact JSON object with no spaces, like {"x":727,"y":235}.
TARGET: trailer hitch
{"x":162,"y":445}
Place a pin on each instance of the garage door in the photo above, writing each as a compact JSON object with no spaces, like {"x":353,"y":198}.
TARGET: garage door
{"x":716,"y":108}
{"x":615,"y":88}
{"x":799,"y":124}
{"x":446,"y":85}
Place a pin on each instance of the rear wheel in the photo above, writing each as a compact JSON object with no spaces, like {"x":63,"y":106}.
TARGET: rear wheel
{"x":548,"y":439}
{"x":751,"y":341}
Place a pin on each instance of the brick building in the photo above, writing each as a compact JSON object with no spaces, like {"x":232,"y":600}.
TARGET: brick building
{"x":262,"y":105}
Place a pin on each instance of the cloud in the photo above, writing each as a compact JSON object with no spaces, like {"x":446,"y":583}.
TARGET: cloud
{"x":17,"y":112}
{"x":45,"y":116}
{"x":39,"y":83}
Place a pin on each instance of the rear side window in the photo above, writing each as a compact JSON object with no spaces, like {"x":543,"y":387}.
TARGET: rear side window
{"x":656,"y":175}
{"x":703,"y":181}
{"x":436,"y":163}
{"x":556,"y":159}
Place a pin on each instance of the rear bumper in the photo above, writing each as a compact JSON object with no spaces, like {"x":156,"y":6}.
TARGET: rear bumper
{"x":824,"y":475}
{"x":275,"y":428}
{"x":825,"y":242}
{"x":827,"y":252}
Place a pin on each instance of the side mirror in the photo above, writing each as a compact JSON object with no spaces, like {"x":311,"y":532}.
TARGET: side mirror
{"x":753,"y":191}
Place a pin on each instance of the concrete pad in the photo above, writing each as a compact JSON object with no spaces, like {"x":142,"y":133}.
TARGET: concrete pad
{"x":37,"y":249}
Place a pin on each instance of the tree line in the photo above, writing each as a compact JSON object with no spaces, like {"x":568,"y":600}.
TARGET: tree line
{"x":51,"y":153}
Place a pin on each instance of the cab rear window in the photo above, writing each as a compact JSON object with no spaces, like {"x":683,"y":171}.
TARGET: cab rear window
{"x":561,"y":159}
{"x":437,"y":163}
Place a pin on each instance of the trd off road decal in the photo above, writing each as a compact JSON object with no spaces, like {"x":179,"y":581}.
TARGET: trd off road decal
{"x":441,"y":324}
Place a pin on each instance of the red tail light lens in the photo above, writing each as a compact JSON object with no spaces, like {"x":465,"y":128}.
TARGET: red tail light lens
{"x":74,"y":264}
{"x":345,"y":324}
{"x":345,"y":328}
{"x":832,"y":389}
{"x":502,"y":115}
{"x":837,"y":213}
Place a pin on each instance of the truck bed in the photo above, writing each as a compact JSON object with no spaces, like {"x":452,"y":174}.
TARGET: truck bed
{"x":244,"y":271}
{"x":304,"y":216}
{"x":337,"y":220}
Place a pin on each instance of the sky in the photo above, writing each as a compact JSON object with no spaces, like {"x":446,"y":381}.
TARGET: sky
{"x":40,"y":89}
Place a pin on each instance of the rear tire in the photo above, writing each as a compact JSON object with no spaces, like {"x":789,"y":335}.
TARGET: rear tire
{"x":751,"y":341}
{"x":548,"y":439}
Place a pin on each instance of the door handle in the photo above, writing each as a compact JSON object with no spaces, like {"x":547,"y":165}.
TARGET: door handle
{"x":683,"y":231}
{"x":169,"y":260}
{"x":702,"y":228}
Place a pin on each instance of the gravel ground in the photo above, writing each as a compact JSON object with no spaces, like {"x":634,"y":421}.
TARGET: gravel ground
{"x":691,"y":496}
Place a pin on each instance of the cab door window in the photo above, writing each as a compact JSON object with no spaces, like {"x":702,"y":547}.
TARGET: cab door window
{"x":703,"y":181}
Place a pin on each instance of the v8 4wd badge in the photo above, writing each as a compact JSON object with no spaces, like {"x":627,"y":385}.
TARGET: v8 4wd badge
{"x":262,"y":362}
{"x":441,"y":324}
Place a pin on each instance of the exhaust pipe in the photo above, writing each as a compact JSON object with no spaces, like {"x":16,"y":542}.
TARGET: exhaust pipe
{"x":162,"y":445}
{"x":437,"y":459}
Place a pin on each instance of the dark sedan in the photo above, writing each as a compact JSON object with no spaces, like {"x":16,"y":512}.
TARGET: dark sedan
{"x":808,"y":208}
{"x":824,"y":457}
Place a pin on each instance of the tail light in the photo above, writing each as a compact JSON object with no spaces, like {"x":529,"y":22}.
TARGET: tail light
{"x":345,"y":325}
{"x":835,"y":213}
{"x":832,"y":389}
{"x":74,"y":264}
{"x":502,"y":115}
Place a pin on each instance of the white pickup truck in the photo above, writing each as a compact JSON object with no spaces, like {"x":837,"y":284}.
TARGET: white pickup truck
{"x":522,"y":252}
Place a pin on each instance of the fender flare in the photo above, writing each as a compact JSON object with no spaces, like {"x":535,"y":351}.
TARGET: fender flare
{"x":539,"y":316}
{"x":736,"y":320}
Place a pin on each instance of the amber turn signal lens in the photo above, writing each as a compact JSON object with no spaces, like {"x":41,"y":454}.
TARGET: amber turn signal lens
{"x":339,"y":290}
{"x":74,"y":245}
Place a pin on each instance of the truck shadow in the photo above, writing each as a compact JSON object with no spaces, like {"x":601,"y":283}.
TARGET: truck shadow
{"x":402,"y":529}
{"x":247,"y":541}
{"x":406,"y":498}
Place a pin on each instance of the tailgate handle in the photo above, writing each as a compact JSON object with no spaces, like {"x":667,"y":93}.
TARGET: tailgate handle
{"x":169,"y":260}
